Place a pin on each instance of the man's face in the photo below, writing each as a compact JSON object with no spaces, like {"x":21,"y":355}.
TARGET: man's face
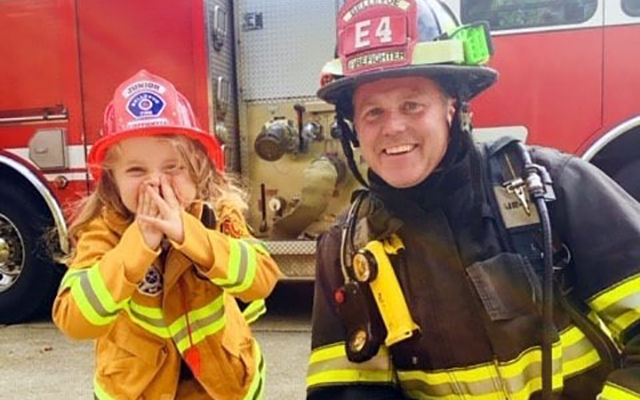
{"x":403,"y":127}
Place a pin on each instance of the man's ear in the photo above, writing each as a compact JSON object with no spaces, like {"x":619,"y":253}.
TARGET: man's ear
{"x":451,"y":110}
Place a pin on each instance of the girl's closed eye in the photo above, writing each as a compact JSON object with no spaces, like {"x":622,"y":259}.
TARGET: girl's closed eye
{"x":173,"y":168}
{"x":135,"y":171}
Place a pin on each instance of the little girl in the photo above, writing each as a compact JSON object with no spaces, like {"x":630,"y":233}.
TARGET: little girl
{"x":161,"y":249}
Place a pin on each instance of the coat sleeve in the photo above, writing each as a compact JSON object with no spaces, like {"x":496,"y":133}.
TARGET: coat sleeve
{"x":600,"y":223}
{"x":100,"y":280}
{"x":330,"y":375}
{"x":239,"y":265}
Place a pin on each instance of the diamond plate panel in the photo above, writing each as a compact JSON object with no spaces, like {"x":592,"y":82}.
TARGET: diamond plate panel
{"x":283,"y":58}
{"x":297,"y":267}
{"x":291,"y":247}
{"x":296,"y":258}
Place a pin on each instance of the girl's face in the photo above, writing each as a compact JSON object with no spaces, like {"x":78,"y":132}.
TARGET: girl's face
{"x":142,"y":161}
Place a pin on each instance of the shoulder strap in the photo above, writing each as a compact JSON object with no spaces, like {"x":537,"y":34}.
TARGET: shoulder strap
{"x":347,"y":246}
{"x":516,"y":215}
{"x":524,"y":236}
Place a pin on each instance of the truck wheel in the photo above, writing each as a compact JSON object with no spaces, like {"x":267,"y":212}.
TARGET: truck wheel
{"x":28,"y":275}
{"x":629,"y":178}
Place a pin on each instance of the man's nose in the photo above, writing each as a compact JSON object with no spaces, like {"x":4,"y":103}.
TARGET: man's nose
{"x":394,"y":124}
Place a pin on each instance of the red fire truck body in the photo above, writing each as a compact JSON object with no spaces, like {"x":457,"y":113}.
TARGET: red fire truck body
{"x":568,"y":79}
{"x":569,"y":84}
{"x":61,"y":61}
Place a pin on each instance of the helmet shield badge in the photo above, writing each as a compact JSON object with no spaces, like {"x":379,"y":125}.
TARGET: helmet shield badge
{"x":145,"y":105}
{"x":371,"y":38}
{"x":391,"y":38}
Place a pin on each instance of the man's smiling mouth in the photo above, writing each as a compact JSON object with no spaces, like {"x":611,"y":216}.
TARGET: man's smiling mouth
{"x":405,"y":148}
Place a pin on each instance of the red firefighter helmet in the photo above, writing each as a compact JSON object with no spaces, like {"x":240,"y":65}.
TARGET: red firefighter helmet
{"x":393,"y":38}
{"x":144,"y":105}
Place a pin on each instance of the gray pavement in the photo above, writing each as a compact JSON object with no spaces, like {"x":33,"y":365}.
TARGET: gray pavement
{"x":38,"y":362}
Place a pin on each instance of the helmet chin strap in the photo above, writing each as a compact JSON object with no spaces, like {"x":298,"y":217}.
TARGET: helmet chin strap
{"x":347,"y":138}
{"x":464,"y":117}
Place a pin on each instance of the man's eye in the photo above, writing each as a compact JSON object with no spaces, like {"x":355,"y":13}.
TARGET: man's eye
{"x":411,"y":106}
{"x":372,"y":113}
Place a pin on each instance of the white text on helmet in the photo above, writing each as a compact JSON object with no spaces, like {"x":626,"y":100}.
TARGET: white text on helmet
{"x":401,"y":4}
{"x":140,"y":85}
{"x":382,"y":57}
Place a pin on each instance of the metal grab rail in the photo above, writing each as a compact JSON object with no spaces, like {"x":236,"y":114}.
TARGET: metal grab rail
{"x":56,"y":113}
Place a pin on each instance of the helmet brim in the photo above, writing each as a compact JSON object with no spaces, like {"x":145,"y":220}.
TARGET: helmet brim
{"x":459,"y":81}
{"x":100,"y":147}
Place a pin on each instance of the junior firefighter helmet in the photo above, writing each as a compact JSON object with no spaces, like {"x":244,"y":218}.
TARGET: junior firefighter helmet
{"x":145,"y":105}
{"x":393,"y":38}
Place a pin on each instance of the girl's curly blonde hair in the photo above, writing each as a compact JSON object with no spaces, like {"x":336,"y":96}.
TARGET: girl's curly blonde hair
{"x":211,"y":186}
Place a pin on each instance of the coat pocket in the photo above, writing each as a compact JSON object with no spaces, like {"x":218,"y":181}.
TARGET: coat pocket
{"x":507,"y":286}
{"x":128,"y":359}
{"x":238,"y":350}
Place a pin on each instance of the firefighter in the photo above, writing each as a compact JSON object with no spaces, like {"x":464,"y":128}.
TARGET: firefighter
{"x":471,"y":267}
{"x":161,"y":251}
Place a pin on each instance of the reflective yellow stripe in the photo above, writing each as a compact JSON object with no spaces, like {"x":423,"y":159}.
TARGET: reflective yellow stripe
{"x":241,"y":269}
{"x":86,"y":308}
{"x":414,"y":394}
{"x":250,"y":269}
{"x":623,"y":322}
{"x":148,"y":318}
{"x":254,"y":310}
{"x":91,"y":295}
{"x":613,"y":294}
{"x":611,"y":391}
{"x":348,"y":376}
{"x":258,"y":245}
{"x":519,"y":377}
{"x":69,"y":277}
{"x":465,"y":376}
{"x":100,"y":288}
{"x":256,"y":388}
{"x":619,"y":306}
{"x":204,"y":321}
{"x":482,"y":379}
{"x":233,"y":265}
{"x":578,"y":354}
{"x":99,"y":392}
{"x":329,"y":365}
{"x":572,"y":354}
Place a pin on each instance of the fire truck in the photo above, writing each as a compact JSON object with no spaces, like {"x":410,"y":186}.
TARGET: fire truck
{"x":568,"y":79}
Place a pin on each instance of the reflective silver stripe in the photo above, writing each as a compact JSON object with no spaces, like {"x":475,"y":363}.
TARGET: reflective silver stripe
{"x":254,"y":310}
{"x":377,"y":363}
{"x":256,"y":387}
{"x":258,"y":245}
{"x":520,"y":377}
{"x":242,"y":266}
{"x":196,"y":325}
{"x":454,"y":387}
{"x":68,"y":278}
{"x":525,"y":380}
{"x":624,"y":305}
{"x":612,"y":391}
{"x":156,"y":322}
{"x":477,"y":381}
{"x":92,"y":297}
{"x":329,"y":365}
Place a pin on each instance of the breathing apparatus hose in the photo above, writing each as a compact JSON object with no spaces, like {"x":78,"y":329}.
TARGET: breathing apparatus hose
{"x":536,"y":188}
